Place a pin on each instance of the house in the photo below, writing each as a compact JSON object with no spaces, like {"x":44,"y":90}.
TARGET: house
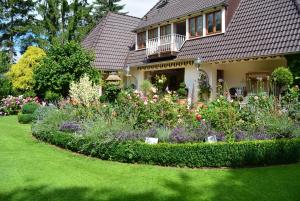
{"x":232,"y":43}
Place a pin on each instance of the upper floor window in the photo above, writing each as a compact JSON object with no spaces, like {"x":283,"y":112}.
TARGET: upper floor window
{"x":214,"y":22}
{"x":196,"y":26}
{"x":165,"y":30}
{"x":152,"y":33}
{"x":141,"y":40}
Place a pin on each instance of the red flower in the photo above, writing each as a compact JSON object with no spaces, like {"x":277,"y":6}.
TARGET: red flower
{"x":198,"y":117}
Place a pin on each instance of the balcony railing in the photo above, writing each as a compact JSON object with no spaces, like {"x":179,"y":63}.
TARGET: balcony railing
{"x":164,"y":44}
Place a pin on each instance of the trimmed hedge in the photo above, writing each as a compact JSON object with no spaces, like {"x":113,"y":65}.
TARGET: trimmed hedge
{"x":25,"y":118}
{"x":30,"y":108}
{"x":256,"y":153}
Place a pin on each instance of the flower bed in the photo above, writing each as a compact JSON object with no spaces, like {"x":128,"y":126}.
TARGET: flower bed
{"x":252,"y":153}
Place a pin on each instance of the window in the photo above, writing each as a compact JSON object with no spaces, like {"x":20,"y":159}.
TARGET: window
{"x":141,"y":40}
{"x":165,"y":30}
{"x":196,"y":26}
{"x":214,"y":22}
{"x":152,"y":33}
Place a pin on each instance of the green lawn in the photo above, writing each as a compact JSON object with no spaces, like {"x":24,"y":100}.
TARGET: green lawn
{"x":32,"y":170}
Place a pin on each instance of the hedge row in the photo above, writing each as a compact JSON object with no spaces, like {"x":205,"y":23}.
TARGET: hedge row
{"x":257,"y":153}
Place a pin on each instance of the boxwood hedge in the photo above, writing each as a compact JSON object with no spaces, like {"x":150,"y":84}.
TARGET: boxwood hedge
{"x":252,"y":153}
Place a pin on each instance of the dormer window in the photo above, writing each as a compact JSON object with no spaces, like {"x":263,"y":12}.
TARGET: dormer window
{"x":214,"y":22}
{"x":141,"y":40}
{"x":196,"y":26}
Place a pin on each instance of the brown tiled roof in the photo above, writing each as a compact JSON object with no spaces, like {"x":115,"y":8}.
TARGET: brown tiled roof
{"x":174,"y":9}
{"x":258,"y":28}
{"x":111,"y":41}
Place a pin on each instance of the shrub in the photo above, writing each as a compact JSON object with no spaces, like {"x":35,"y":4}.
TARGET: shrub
{"x":254,"y":153}
{"x":21,"y":73}
{"x":25,"y":118}
{"x":182,"y":91}
{"x":146,"y":87}
{"x":84,"y":92}
{"x":52,"y":97}
{"x":110,"y":92}
{"x":282,"y":76}
{"x":5,"y":87}
{"x":30,"y":108}
{"x":63,"y":64}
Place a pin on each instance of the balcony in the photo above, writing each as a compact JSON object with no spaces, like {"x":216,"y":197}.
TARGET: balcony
{"x":164,"y":45}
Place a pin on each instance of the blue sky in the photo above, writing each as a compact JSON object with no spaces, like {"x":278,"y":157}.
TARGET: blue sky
{"x":138,"y":8}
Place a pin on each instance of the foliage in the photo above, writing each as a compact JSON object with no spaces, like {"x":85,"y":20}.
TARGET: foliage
{"x":222,"y":115}
{"x":62,"y":21}
{"x":16,"y":20}
{"x":282,"y":76}
{"x":62,"y":65}
{"x":146,"y":87}
{"x":52,"y":97}
{"x":30,"y":108}
{"x":25,"y":118}
{"x":204,"y":86}
{"x":293,"y":64}
{"x":182,"y":91}
{"x":189,"y":155}
{"x":12,"y":105}
{"x":160,"y":83}
{"x":102,"y":7}
{"x":21,"y":73}
{"x":5,"y":87}
{"x":84,"y":92}
{"x":110,"y":92}
{"x":290,"y":103}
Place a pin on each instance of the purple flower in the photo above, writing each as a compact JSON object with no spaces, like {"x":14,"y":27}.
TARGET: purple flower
{"x":71,"y":127}
{"x":178,"y":135}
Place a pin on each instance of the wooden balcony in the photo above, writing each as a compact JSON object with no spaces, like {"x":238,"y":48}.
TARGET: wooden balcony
{"x":164,"y":45}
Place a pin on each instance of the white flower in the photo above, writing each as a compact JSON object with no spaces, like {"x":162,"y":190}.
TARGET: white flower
{"x":154,"y":90}
{"x":145,"y":102}
{"x":256,"y":97}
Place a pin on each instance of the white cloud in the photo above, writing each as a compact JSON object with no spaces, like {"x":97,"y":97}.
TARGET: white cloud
{"x":138,"y":8}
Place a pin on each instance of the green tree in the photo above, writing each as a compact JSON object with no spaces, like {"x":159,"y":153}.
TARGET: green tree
{"x":102,"y":7}
{"x":5,"y":84}
{"x":21,"y":73}
{"x":63,"y":20}
{"x":63,"y":64}
{"x":16,"y":19}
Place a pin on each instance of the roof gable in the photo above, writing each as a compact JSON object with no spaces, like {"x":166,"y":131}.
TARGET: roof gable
{"x":111,"y":40}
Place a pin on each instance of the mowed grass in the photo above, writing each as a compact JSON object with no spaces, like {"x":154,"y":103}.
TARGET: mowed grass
{"x":32,"y":170}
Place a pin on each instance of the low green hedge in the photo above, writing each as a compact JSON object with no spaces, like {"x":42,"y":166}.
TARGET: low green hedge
{"x":256,"y":153}
{"x":30,"y":108}
{"x":25,"y":118}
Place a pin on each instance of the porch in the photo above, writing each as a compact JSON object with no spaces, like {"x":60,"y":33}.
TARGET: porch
{"x":238,"y":77}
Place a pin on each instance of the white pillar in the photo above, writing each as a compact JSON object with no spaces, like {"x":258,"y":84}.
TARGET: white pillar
{"x":147,"y":34}
{"x":223,"y":20}
{"x":158,"y":35}
{"x":187,"y":36}
{"x":172,"y":38}
{"x":136,"y":41}
{"x":204,"y":24}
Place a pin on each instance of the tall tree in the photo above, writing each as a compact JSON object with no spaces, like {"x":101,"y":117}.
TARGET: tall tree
{"x":64,"y":20}
{"x":16,"y":17}
{"x":102,"y":7}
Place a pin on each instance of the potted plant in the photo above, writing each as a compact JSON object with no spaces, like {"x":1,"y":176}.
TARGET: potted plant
{"x":182,"y":94}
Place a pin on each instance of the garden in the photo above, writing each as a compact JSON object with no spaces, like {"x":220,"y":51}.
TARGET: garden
{"x":153,"y":125}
